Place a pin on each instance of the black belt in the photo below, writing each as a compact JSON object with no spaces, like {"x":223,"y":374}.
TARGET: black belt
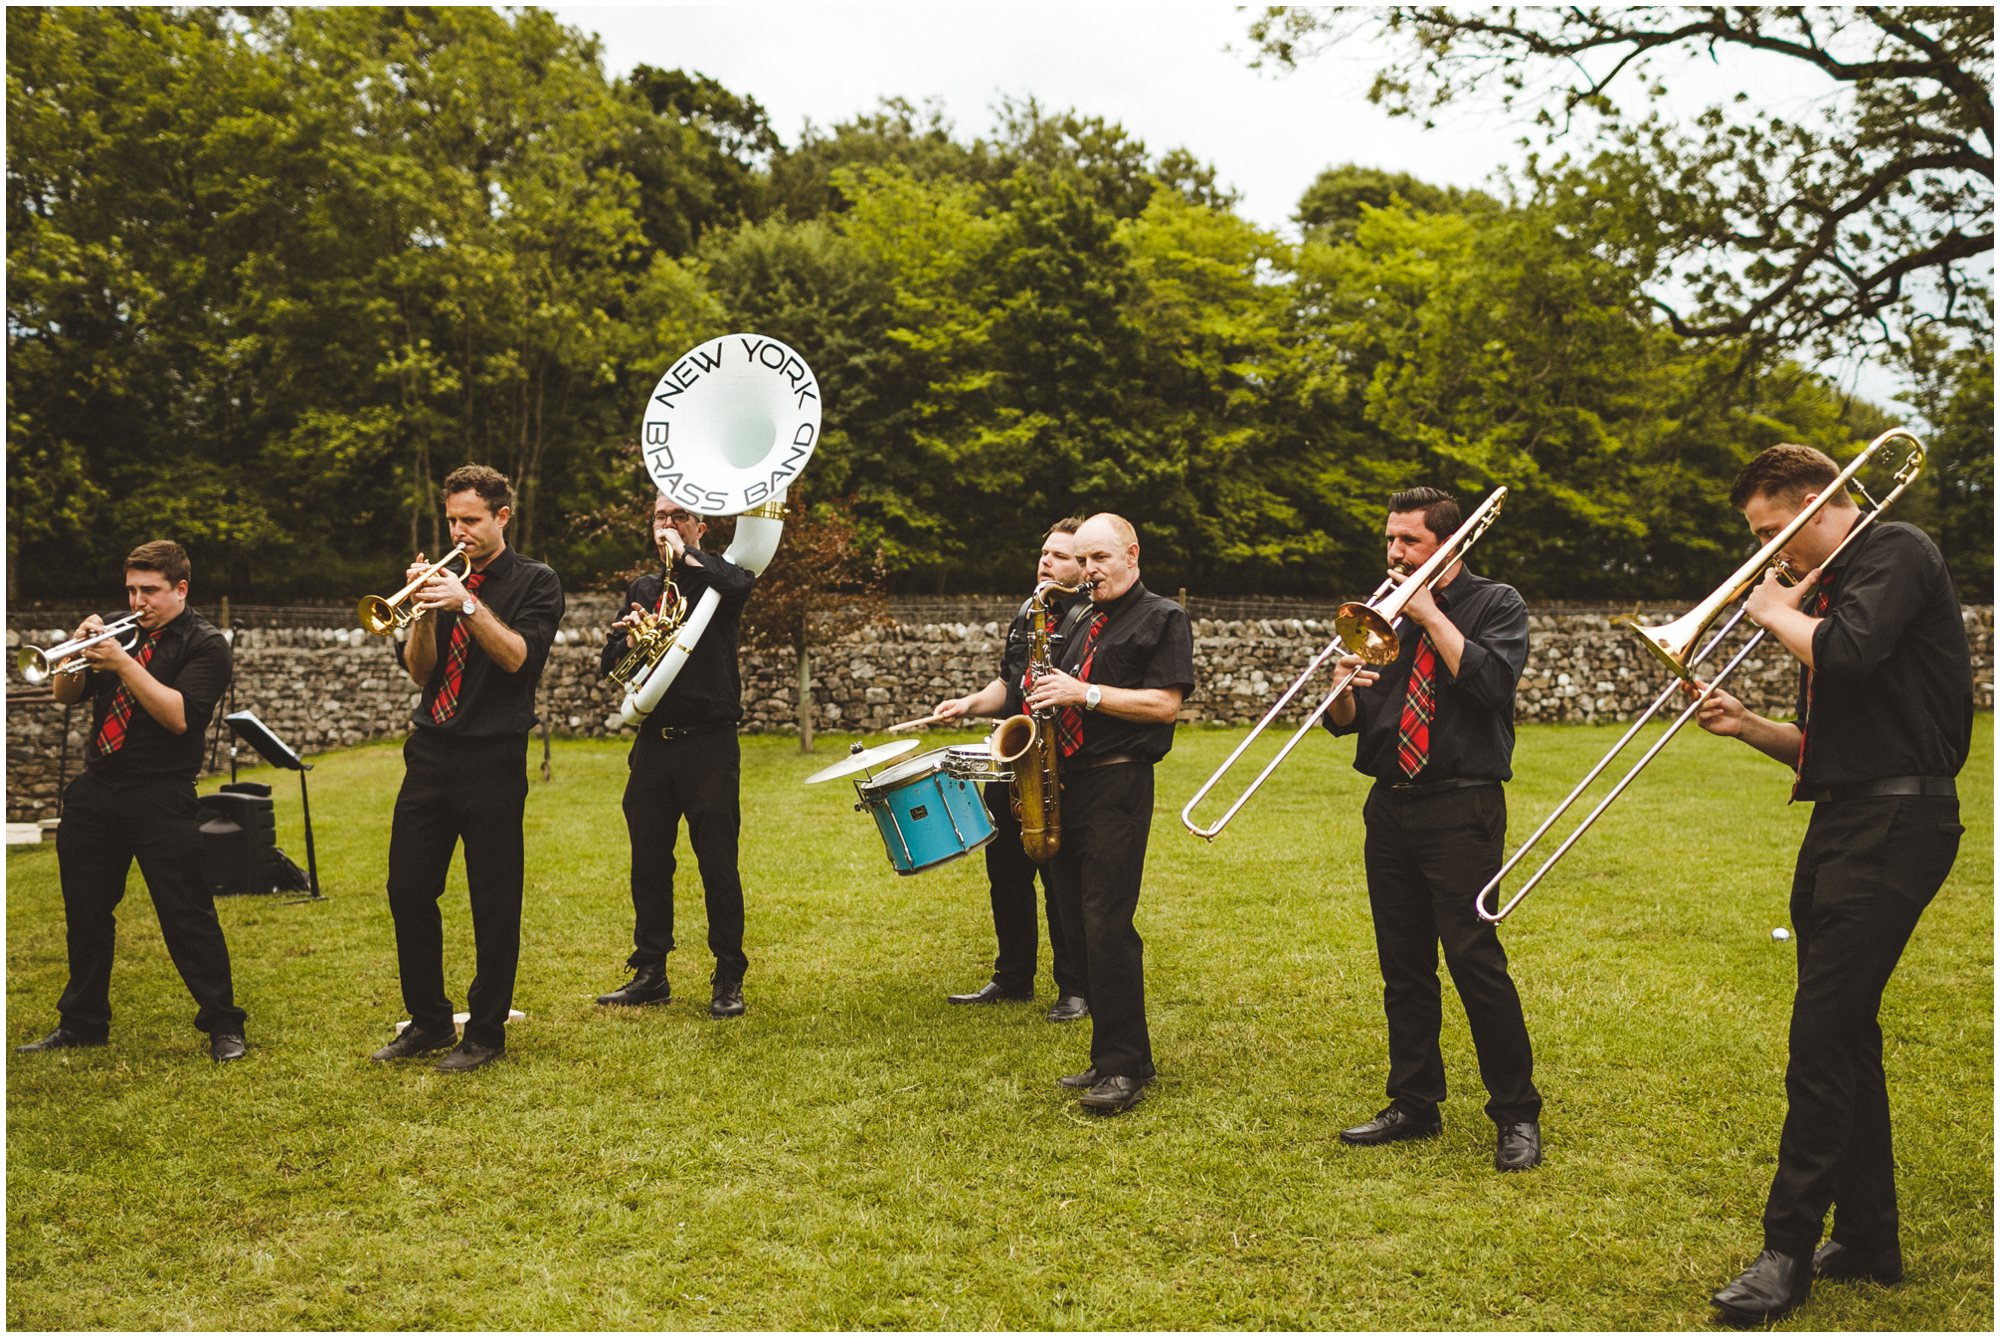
{"x":1430,"y":787}
{"x":1093,"y":763}
{"x":1930,"y":787}
{"x":684,"y":731}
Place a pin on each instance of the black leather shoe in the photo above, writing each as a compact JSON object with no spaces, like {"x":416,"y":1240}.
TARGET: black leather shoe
{"x":1069,"y":1008}
{"x":413,"y":1041}
{"x":1111,"y":1095}
{"x":648,"y":985}
{"x":725,"y":997}
{"x":1770,"y":1289}
{"x":1519,"y":1147}
{"x":991,"y":992}
{"x":469,"y":1055}
{"x":62,"y":1038}
{"x":224,"y":1046}
{"x":1391,"y":1125}
{"x":1883,"y":1265}
{"x":1079,"y":1081}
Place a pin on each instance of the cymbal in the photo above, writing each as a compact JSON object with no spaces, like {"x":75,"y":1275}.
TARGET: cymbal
{"x":860,"y":759}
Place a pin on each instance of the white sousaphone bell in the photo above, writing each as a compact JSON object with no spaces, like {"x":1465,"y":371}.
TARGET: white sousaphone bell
{"x":727,"y":430}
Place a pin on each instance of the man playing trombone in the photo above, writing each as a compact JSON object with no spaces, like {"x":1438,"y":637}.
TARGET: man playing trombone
{"x":151,"y":702}
{"x":685,"y":762}
{"x":1884,"y":725}
{"x":1010,"y":873}
{"x":1436,"y":731}
{"x":477,"y":651}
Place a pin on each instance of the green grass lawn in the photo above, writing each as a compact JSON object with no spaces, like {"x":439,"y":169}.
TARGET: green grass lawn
{"x":854,"y":1153}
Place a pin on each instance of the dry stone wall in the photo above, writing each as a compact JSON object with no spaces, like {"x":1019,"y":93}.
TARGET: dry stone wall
{"x":320,"y":688}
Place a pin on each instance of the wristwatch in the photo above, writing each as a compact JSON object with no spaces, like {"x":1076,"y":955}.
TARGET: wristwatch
{"x":1092,"y":695}
{"x":469,"y":607}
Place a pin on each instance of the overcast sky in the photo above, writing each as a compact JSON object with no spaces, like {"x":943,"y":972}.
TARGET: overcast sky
{"x":1175,"y":76}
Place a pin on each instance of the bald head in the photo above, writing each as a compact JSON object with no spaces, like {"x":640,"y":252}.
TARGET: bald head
{"x":1108,"y":548}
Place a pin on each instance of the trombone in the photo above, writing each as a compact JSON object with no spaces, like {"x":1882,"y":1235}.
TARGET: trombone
{"x":383,"y":616}
{"x":1674,"y":644}
{"x":1362,"y":627}
{"x":38,"y":666}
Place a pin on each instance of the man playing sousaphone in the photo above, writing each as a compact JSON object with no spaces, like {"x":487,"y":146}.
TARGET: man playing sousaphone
{"x":685,"y":763}
{"x":1009,"y":871}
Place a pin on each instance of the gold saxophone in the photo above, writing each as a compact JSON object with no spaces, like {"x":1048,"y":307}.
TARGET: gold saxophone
{"x":650,"y":639}
{"x":1028,"y":743}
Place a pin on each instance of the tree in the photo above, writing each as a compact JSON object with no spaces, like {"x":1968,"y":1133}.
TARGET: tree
{"x":823,"y":583}
{"x":1835,"y":229}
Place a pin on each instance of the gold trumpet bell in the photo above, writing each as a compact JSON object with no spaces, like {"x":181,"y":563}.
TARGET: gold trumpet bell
{"x":1365,"y":632}
{"x":376,"y":615}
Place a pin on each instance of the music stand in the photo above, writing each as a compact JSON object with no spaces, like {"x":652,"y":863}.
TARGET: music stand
{"x":246,"y":726}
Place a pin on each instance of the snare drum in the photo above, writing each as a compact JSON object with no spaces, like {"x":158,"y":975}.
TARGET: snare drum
{"x":926,"y":812}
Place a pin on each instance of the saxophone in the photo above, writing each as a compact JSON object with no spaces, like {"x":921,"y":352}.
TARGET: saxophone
{"x":1029,"y":744}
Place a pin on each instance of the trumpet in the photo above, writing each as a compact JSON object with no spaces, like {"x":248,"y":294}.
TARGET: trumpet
{"x":38,"y":666}
{"x":1679,"y":646}
{"x":383,"y":616}
{"x":1366,"y":628}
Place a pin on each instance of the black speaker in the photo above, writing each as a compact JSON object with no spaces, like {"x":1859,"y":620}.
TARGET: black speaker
{"x":239,"y":840}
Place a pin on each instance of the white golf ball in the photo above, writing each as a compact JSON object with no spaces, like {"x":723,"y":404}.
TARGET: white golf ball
{"x":1780,"y":934}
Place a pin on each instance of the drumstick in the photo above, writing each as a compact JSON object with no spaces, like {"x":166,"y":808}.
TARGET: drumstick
{"x":914,"y":724}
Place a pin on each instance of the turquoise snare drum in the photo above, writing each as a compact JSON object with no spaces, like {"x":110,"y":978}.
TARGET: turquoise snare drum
{"x":928,"y":809}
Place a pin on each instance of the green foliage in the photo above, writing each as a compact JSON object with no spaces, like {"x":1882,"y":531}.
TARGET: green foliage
{"x":273,"y":272}
{"x":854,"y":1153}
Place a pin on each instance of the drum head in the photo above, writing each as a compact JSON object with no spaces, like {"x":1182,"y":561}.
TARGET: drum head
{"x":923,"y":764}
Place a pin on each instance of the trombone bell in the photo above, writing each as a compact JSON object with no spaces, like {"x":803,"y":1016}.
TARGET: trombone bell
{"x":1671,"y":643}
{"x":1366,"y":632}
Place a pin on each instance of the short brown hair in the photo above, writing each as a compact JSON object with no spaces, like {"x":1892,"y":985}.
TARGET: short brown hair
{"x":1067,"y":525}
{"x":1440,"y":508}
{"x":1786,"y":472}
{"x":491,"y":485}
{"x":163,"y":556}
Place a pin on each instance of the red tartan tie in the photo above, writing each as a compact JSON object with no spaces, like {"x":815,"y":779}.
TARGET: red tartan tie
{"x":446,"y":704}
{"x":1413,"y":731}
{"x":111,"y":734}
{"x":1821,"y":598}
{"x":1069,"y":720}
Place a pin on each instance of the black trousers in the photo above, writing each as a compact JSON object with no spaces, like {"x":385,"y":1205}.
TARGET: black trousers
{"x":1010,"y":876}
{"x":1866,"y":870}
{"x":475,"y":790}
{"x":1107,"y":814}
{"x":697,"y":777}
{"x":104,"y":828}
{"x":1428,"y":852}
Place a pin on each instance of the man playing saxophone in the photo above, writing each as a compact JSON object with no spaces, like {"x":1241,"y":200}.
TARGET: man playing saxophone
{"x":685,"y":762}
{"x":1115,"y":692}
{"x":1010,"y":872}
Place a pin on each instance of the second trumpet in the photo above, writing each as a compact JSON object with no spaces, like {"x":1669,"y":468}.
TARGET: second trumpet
{"x":383,"y":616}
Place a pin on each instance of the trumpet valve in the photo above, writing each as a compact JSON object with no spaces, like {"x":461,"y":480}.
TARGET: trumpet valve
{"x":1366,"y":633}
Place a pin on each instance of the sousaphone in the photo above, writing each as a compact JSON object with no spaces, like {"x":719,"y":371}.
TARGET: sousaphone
{"x":727,"y":430}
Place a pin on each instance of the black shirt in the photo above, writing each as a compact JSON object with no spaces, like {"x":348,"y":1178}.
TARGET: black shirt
{"x":1892,"y":693}
{"x":1021,"y":641}
{"x":1146,"y":642}
{"x":1472,"y":729}
{"x":193,"y":659}
{"x":709,"y":688}
{"x":525,"y":595}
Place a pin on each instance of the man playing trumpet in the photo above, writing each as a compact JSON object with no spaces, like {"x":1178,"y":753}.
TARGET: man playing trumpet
{"x":476,"y":650}
{"x":1010,"y":873}
{"x":685,"y":762}
{"x":135,"y":799}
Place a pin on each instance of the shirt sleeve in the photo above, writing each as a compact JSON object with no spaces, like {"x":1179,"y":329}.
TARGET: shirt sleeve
{"x":1874,"y":599}
{"x":729,"y":581}
{"x":1496,"y":651}
{"x":202,"y":679}
{"x":535,"y":620}
{"x":1171,"y":662}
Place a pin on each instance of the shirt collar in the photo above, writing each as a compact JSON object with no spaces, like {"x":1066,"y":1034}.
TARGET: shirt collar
{"x":1110,"y":606}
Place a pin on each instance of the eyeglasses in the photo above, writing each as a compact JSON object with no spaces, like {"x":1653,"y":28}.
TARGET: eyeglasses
{"x":681,"y":517}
